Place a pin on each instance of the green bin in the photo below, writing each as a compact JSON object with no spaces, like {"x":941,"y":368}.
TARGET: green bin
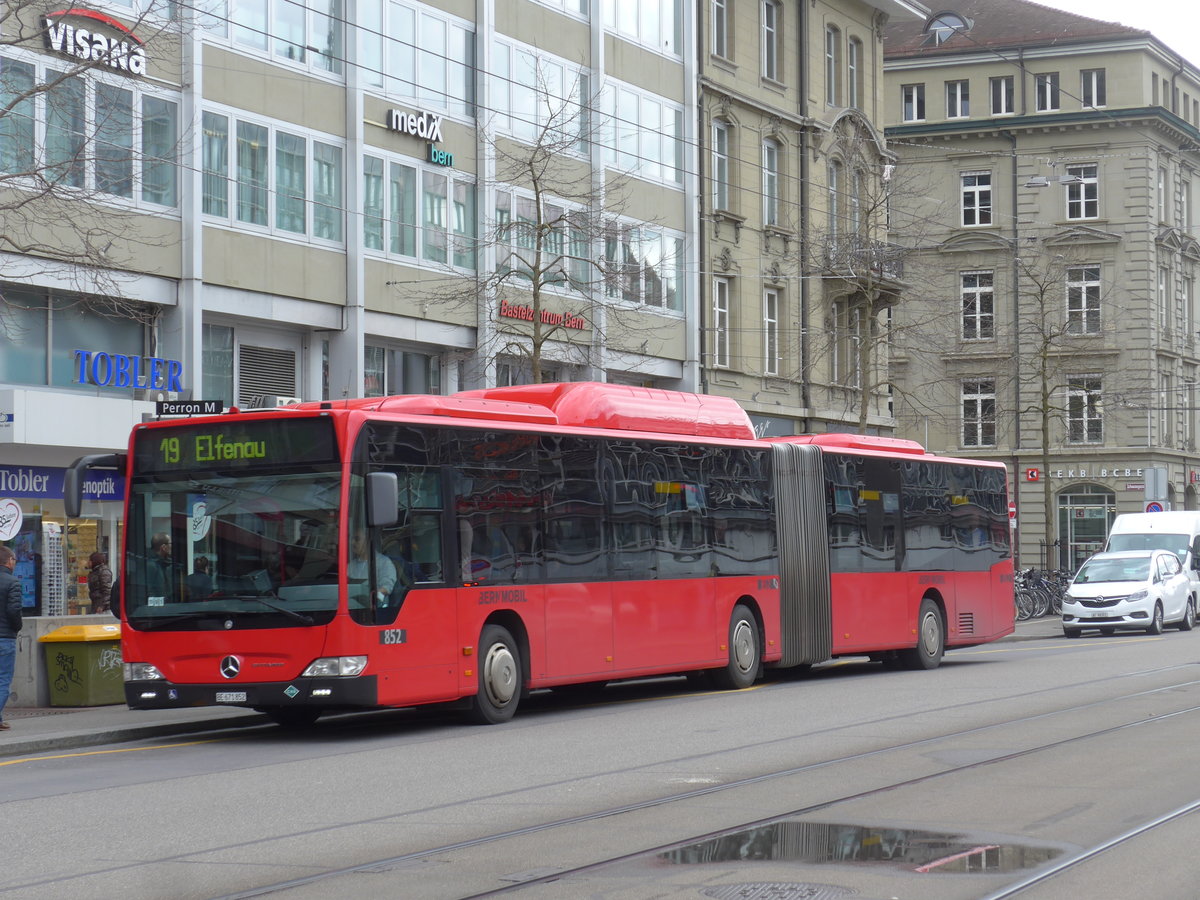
{"x":83,"y":665}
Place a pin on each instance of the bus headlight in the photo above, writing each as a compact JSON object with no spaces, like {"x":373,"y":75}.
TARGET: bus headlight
{"x":336,"y":665}
{"x":142,"y":672}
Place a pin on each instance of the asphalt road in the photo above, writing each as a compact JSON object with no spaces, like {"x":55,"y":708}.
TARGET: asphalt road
{"x":1044,"y":765}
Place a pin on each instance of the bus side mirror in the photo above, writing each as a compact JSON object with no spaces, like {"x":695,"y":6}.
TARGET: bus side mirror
{"x":383,"y":499}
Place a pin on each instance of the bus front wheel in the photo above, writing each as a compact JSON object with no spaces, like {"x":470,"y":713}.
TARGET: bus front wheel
{"x":745,"y":653}
{"x":499,"y":677}
{"x":931,"y":639}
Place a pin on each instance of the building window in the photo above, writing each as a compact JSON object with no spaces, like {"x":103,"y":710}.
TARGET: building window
{"x":979,"y":412}
{"x":1046,"y":89}
{"x":720,"y":323}
{"x":309,"y":33}
{"x":1189,"y":306}
{"x":41,"y":333}
{"x":771,"y":332}
{"x":854,"y":73}
{"x":770,"y":186}
{"x":720,"y":28}
{"x":1164,"y":297}
{"x":976,"y":198}
{"x":655,"y":24}
{"x":1085,"y":417}
{"x":978,"y":306}
{"x":387,"y":372}
{"x":833,"y":66}
{"x":944,"y":27}
{"x":1083,"y":197}
{"x":1083,"y":300}
{"x":720,"y":165}
{"x":282,"y":181}
{"x":642,"y":133}
{"x":217,"y":353}
{"x":913,"y":98}
{"x":846,"y":328}
{"x":770,"y":39}
{"x":646,"y":265}
{"x":1162,"y":194}
{"x":834,"y":177}
{"x":543,"y":99}
{"x":1092,"y":88}
{"x":854,"y":202}
{"x":417,"y":54}
{"x":958,"y":99}
{"x":88,"y":134}
{"x":1003,"y":103}
{"x":1185,"y":206}
{"x":414,"y":213}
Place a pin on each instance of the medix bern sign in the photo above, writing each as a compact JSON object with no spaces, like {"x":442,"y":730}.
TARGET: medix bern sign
{"x":425,"y":125}
{"x":123,"y":52}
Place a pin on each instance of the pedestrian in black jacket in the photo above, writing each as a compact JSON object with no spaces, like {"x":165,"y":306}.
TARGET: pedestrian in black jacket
{"x":10,"y":625}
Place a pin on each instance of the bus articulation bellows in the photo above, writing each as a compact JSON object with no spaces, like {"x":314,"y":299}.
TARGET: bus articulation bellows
{"x":395,"y":551}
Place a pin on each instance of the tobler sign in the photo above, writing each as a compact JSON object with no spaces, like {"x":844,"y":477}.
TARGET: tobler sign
{"x":122,"y":51}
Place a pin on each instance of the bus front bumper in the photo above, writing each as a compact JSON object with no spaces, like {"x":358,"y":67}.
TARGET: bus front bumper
{"x":341,"y":693}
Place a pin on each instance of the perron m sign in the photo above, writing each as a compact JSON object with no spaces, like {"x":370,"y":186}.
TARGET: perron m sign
{"x":122,"y":51}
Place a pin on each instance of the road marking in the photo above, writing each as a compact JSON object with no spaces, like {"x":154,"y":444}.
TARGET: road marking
{"x":31,"y":759}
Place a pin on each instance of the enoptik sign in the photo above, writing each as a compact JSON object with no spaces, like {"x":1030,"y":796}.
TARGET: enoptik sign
{"x":123,"y":52}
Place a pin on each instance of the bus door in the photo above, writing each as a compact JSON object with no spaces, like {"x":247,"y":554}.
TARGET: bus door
{"x":399,"y":588}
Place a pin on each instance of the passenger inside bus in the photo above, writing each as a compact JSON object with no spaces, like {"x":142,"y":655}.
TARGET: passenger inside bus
{"x":381,"y":576}
{"x":159,"y":570}
{"x":199,"y":584}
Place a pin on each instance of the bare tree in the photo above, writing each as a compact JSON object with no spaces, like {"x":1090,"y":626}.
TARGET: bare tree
{"x":561,"y":248}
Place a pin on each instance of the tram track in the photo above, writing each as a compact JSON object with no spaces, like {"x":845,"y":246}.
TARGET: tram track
{"x":406,"y":860}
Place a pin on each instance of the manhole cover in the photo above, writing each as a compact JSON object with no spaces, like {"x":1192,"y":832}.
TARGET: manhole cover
{"x":778,"y":890}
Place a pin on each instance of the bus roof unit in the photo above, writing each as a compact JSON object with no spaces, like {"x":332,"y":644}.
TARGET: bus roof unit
{"x":621,"y":407}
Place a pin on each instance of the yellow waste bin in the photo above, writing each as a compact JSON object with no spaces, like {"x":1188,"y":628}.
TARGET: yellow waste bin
{"x":83,"y":665}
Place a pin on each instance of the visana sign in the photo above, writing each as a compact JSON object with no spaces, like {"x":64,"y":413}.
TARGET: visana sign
{"x":426,"y":126}
{"x":124,"y":52}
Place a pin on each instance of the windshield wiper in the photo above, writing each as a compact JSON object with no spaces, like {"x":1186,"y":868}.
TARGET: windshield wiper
{"x":298,"y":616}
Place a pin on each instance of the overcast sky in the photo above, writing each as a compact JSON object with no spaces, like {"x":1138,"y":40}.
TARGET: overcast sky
{"x":1174,"y":22}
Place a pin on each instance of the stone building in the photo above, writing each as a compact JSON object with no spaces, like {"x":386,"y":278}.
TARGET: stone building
{"x":1048,"y":164}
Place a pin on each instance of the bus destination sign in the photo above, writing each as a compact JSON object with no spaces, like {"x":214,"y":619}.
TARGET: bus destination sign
{"x":224,"y":445}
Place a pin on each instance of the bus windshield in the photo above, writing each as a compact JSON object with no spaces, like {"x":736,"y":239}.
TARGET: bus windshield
{"x":233,"y":550}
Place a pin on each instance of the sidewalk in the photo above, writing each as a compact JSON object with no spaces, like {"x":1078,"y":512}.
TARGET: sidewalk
{"x":42,"y":730}
{"x":67,"y":728}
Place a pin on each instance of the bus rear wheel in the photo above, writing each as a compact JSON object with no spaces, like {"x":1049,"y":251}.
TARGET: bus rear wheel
{"x":931,"y":639}
{"x":745,"y":652}
{"x":499,"y":676}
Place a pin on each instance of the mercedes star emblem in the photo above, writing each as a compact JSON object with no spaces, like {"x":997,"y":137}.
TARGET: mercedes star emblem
{"x":230,"y":666}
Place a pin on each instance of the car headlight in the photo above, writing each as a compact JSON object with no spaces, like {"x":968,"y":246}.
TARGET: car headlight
{"x":336,"y":665}
{"x":135,"y":671}
{"x":1138,"y":595}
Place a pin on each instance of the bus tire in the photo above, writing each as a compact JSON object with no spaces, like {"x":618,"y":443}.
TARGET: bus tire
{"x":499,"y":676}
{"x":931,"y":639}
{"x":745,"y":652}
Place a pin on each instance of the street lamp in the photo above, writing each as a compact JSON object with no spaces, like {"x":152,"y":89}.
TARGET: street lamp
{"x":1041,"y":181}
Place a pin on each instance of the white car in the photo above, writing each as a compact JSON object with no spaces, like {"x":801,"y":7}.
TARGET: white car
{"x":1138,"y":590}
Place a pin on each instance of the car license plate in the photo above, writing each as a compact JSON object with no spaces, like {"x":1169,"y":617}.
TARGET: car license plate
{"x":231,"y":696}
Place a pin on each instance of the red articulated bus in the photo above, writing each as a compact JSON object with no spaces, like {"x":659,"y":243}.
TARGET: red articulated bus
{"x":396,"y":551}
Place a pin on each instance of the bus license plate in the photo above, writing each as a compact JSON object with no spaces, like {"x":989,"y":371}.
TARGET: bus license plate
{"x":231,"y":696}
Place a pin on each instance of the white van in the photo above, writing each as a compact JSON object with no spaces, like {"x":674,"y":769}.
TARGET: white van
{"x":1178,"y":532}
